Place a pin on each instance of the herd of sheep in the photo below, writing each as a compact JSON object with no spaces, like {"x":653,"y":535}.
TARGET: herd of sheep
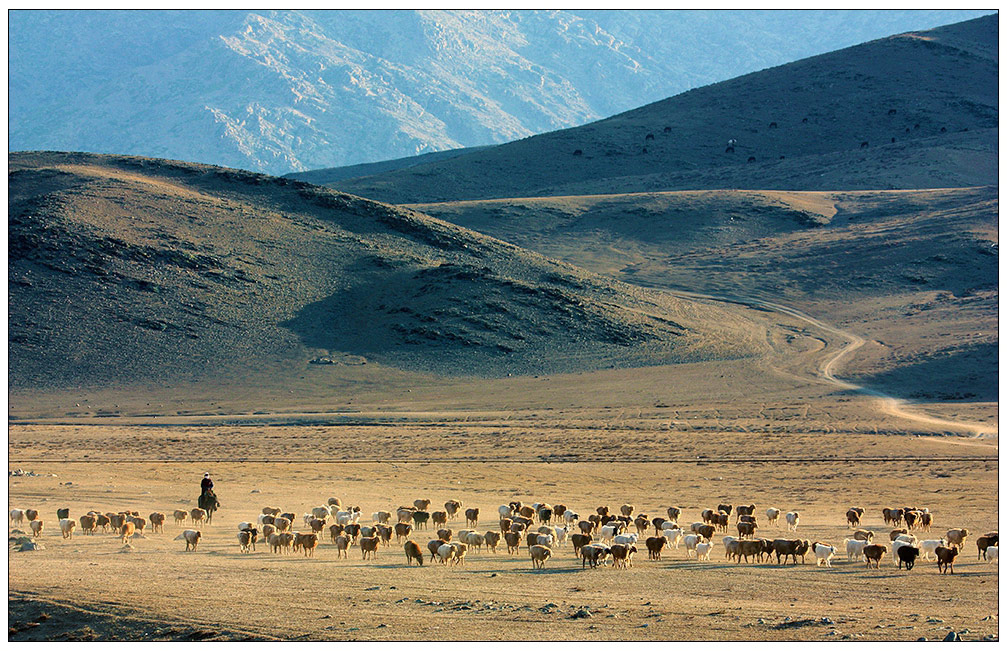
{"x":543,"y":528}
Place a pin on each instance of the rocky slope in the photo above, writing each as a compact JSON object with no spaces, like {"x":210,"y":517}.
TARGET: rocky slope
{"x":284,"y":91}
{"x":125,"y":271}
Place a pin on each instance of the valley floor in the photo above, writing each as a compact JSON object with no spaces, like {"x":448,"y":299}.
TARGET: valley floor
{"x":92,"y":586}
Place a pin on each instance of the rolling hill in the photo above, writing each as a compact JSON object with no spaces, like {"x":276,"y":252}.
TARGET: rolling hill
{"x":282,"y":91}
{"x":129,"y":271}
{"x":915,"y":110}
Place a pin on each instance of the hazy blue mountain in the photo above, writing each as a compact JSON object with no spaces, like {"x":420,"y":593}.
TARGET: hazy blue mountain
{"x":286,"y":91}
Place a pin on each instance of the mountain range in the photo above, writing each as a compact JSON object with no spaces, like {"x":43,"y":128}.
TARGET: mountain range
{"x":284,"y":91}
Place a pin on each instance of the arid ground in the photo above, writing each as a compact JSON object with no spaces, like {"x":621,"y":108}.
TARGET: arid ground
{"x":591,"y":333}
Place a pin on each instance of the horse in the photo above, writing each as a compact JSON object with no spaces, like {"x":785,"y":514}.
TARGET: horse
{"x":208,"y":502}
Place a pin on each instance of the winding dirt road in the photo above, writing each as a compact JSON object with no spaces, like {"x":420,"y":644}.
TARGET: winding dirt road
{"x":887,"y":404}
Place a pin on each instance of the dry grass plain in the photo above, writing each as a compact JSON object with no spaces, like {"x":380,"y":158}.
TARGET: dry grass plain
{"x":158,"y":591}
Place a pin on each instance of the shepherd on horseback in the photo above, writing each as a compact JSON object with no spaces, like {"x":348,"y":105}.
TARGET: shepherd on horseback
{"x":207,"y":498}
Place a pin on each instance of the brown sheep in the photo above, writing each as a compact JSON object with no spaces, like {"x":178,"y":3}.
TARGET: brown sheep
{"x":197,"y":516}
{"x":402,"y":531}
{"x":912,"y":518}
{"x":267,"y":530}
{"x":654,"y":546}
{"x":422,"y":505}
{"x":445,"y":534}
{"x":746,"y":529}
{"x":471,"y":520}
{"x":985,"y":542}
{"x":707,"y":531}
{"x":946,"y":559}
{"x":439,"y":518}
{"x":957,"y":537}
{"x":334,"y":530}
{"x":745,"y":510}
{"x":895,"y":533}
{"x":539,"y":555}
{"x":31,"y":515}
{"x":526,"y":512}
{"x":721,"y":520}
{"x":128,"y":529}
{"x":412,"y":551}
{"x":317,"y":525}
{"x":579,"y":540}
{"x":707,"y":515}
{"x":116,"y":520}
{"x":282,"y":524}
{"x":420,"y":519}
{"x":405,"y":513}
{"x":332,"y":501}
{"x":271,"y":510}
{"x":505,"y":524}
{"x":748,"y":548}
{"x":452,"y":507}
{"x":674,"y":512}
{"x":36,"y":527}
{"x":748,"y":518}
{"x":157,"y":522}
{"x":586,"y":526}
{"x":926,"y":520}
{"x":513,"y":540}
{"x":492,"y":540}
{"x":725,"y":508}
{"x":601,"y":510}
{"x":874,"y":553}
{"x":88,"y":523}
{"x":103,"y":521}
{"x":385,"y":533}
{"x":352,"y":530}
{"x":245,"y":542}
{"x":191,"y":538}
{"x":370,"y":546}
{"x":139,"y":523}
{"x":559,"y":510}
{"x":308,"y":542}
{"x":342,"y":542}
{"x":592,"y":555}
{"x":862,"y":534}
{"x":458,"y":557}
{"x":627,"y":509}
{"x":642,"y":524}
{"x":432,"y":547}
{"x":852,"y":518}
{"x":784,"y":548}
{"x":622,"y":555}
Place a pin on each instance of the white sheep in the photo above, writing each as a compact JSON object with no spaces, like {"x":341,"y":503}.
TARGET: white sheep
{"x":561,"y":535}
{"x":626,"y":539}
{"x":928,"y":548}
{"x":726,"y":542}
{"x":993,"y":554}
{"x":66,"y":526}
{"x":321,"y":512}
{"x":570,"y":517}
{"x":703,"y":550}
{"x":824,"y":554}
{"x":854,"y":549}
{"x":546,"y":540}
{"x":674,"y":536}
{"x":608,"y":533}
{"x":505,"y":511}
{"x":793,"y":519}
{"x":772,"y":515}
{"x":691,"y":541}
{"x":16,"y":516}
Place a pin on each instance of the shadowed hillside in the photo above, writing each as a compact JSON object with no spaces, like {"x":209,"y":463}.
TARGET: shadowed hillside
{"x":909,"y":111}
{"x":126,"y":270}
{"x":916,"y":270}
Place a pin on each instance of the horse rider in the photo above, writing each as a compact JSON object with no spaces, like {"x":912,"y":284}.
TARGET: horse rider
{"x":207,"y":484}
